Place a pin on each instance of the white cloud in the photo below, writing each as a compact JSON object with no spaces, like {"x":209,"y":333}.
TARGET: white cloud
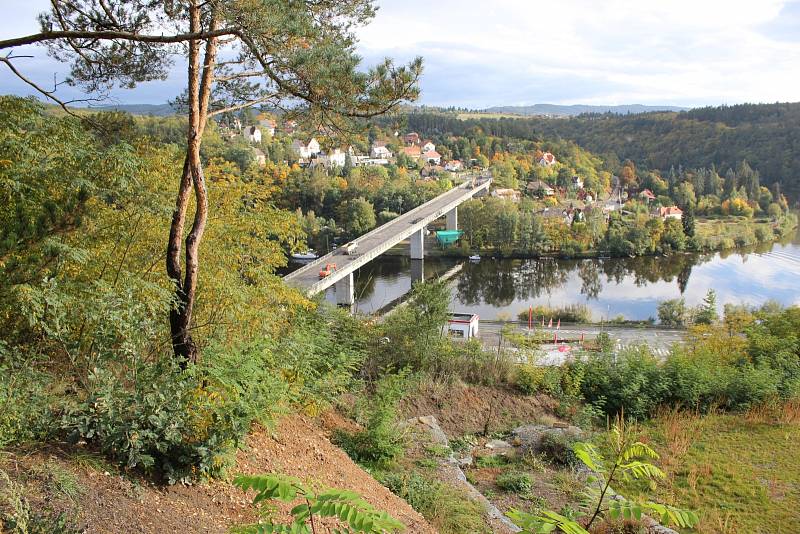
{"x":689,"y":52}
{"x":619,"y":51}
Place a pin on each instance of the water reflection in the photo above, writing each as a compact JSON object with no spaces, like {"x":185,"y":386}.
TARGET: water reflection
{"x":615,"y":286}
{"x":631,"y":287}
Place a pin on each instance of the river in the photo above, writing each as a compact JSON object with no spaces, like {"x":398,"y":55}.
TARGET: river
{"x":631,"y":287}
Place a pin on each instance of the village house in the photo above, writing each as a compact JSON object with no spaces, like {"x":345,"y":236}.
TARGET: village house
{"x":577,"y":182}
{"x":647,"y":195}
{"x":306,"y":150}
{"x":540,"y":188}
{"x":380,"y":151}
{"x":333,"y":158}
{"x":507,"y":194}
{"x":547,"y":160}
{"x":428,"y":146}
{"x":454,"y":165}
{"x":253,"y":134}
{"x":411,"y":138}
{"x":366,"y":161}
{"x":412,"y":151}
{"x":432,"y":156}
{"x":268,"y":125}
{"x":670,"y":212}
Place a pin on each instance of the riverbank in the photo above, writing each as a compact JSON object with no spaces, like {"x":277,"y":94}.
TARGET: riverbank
{"x":712,"y":234}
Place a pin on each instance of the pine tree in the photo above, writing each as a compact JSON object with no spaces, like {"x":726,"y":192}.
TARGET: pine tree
{"x":707,"y":313}
{"x":688,"y":221}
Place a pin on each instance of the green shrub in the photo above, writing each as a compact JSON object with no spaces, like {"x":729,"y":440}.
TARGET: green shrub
{"x":530,"y":378}
{"x":448,"y":509}
{"x":344,"y":508}
{"x":604,"y":342}
{"x":177,"y":424}
{"x":494,"y":460}
{"x":634,"y":383}
{"x":26,"y":402}
{"x":763,"y":234}
{"x":572,"y":313}
{"x":380,"y":442}
{"x":551,"y":381}
{"x":474,"y":364}
{"x":515,"y":482}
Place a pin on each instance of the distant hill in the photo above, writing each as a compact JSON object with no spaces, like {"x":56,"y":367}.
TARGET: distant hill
{"x":577,"y":109}
{"x":158,"y":110}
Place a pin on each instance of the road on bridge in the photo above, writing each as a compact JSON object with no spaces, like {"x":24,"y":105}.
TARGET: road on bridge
{"x":381,"y":239}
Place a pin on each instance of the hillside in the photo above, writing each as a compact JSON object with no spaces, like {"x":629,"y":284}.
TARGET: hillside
{"x":110,"y":500}
{"x":558,"y":110}
{"x":767,"y":136}
{"x":156,"y":110}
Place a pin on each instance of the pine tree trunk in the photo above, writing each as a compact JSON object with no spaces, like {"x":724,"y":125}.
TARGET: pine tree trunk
{"x":192,"y":179}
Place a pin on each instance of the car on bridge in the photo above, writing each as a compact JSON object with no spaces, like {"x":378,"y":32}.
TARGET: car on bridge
{"x":328,"y":270}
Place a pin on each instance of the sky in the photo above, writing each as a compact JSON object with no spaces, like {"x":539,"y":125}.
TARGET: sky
{"x":518,"y":52}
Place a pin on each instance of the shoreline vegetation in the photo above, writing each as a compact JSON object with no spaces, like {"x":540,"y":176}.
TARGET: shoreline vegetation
{"x":712,"y":235}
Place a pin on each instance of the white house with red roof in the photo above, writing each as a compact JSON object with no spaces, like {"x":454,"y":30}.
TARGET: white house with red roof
{"x":670,"y":212}
{"x":547,"y":159}
{"x":428,"y":146}
{"x":454,"y":165}
{"x":432,"y":156}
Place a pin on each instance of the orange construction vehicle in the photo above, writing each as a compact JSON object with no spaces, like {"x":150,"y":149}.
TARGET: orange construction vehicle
{"x":329,"y":268}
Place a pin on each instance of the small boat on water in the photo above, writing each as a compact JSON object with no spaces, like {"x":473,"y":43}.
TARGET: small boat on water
{"x":308,"y":255}
{"x":475,"y":257}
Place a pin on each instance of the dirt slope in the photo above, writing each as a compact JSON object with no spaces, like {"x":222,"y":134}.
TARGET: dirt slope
{"x":110,"y":502}
{"x":467,"y":409}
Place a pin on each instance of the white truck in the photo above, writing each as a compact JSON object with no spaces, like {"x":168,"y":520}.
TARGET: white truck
{"x":350,"y":248}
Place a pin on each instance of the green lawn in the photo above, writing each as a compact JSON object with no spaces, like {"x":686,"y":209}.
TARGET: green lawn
{"x":740,"y":473}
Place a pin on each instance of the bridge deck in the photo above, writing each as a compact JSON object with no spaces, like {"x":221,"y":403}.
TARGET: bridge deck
{"x":381,"y":239}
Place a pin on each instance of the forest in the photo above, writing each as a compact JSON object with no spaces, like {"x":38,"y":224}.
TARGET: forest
{"x":765,"y":135}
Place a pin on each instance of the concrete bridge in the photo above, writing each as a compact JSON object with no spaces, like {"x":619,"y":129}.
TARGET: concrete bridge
{"x":411,"y":225}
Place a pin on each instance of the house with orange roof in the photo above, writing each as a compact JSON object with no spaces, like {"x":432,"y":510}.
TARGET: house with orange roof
{"x":412,"y":151}
{"x":669,"y":212}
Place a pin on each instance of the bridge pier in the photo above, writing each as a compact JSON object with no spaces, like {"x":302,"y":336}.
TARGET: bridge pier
{"x":417,"y":244}
{"x":417,"y":271}
{"x":345,"y":291}
{"x":452,"y":219}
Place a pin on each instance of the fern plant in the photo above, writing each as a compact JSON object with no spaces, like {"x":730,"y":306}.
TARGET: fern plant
{"x":352,"y":513}
{"x":632,"y":460}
